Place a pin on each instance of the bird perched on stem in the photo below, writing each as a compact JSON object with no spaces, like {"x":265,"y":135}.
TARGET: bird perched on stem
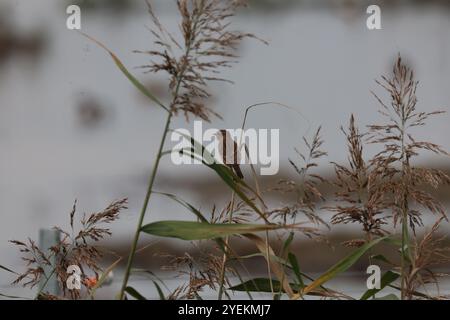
{"x":229,"y":152}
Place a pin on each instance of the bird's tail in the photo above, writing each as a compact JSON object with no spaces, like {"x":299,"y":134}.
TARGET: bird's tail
{"x":238,"y":171}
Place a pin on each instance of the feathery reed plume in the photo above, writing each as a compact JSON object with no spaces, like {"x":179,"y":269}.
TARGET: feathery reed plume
{"x":204,"y":271}
{"x":403,"y":180}
{"x":429,"y":252}
{"x":307,"y":191}
{"x":241,"y":213}
{"x":73,"y":249}
{"x":360,"y":196}
{"x":206,"y":47}
{"x":400,"y":147}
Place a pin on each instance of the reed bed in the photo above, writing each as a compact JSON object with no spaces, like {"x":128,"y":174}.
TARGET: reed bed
{"x":375,"y":192}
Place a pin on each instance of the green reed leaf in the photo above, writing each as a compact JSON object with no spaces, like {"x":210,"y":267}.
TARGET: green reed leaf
{"x":13,"y":297}
{"x":185,"y":204}
{"x":220,"y":242}
{"x":386,"y":280}
{"x":125,"y":71}
{"x":189,"y":230}
{"x":134,"y":293}
{"x":262,"y":285}
{"x":160,"y":292}
{"x":296,"y":268}
{"x":414,"y":293}
{"x":382,"y":258}
{"x":342,"y":265}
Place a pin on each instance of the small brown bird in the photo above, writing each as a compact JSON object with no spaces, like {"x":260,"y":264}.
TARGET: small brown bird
{"x":229,"y":152}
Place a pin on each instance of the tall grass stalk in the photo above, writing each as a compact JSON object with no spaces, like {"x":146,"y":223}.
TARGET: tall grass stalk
{"x":404,"y":182}
{"x":225,"y":254}
{"x":144,"y":208}
{"x":152,"y":178}
{"x":406,"y":254}
{"x":206,"y":47}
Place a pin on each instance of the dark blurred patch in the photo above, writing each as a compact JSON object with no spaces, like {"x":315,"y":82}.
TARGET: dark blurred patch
{"x":159,"y":88}
{"x":91,"y":112}
{"x":12,"y":43}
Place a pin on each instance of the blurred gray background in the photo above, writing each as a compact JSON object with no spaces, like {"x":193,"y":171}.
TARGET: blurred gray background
{"x":72,"y":127}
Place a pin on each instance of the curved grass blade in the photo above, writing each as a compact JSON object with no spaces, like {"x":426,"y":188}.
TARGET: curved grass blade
{"x":286,"y":244}
{"x":133,"y":292}
{"x":185,"y":204}
{"x":396,"y":242}
{"x":291,"y":264}
{"x":104,"y":276}
{"x":160,"y":292}
{"x":263,"y":255}
{"x":189,"y":230}
{"x":414,"y":293}
{"x":7,"y":269}
{"x":125,"y":71}
{"x":262,"y":285}
{"x":14,"y":297}
{"x":386,"y":280}
{"x":153,"y":276}
{"x":275,"y":266}
{"x":382,"y":258}
{"x":295,"y":267}
{"x":220,"y":242}
{"x":342,"y":265}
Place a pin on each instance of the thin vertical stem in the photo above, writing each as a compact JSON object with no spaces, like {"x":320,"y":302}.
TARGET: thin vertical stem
{"x":225,"y":254}
{"x":405,"y":243}
{"x":404,"y":207}
{"x":179,"y":80}
{"x":144,"y":208}
{"x":269,"y":271}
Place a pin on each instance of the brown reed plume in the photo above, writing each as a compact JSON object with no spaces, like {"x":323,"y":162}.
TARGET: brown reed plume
{"x":204,"y":271}
{"x":360,"y":195}
{"x":428,"y":252}
{"x":206,"y":47}
{"x":306,"y":190}
{"x":74,"y":248}
{"x":404,"y":181}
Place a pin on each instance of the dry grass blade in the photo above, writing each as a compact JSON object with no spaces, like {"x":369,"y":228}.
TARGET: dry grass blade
{"x":275,"y":266}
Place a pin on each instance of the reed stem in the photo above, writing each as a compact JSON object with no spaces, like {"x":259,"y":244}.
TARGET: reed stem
{"x":144,"y":208}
